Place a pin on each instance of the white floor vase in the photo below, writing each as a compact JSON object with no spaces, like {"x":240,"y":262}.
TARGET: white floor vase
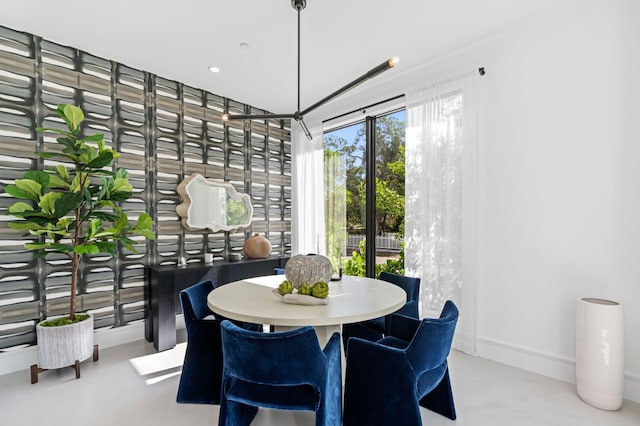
{"x":600,"y":353}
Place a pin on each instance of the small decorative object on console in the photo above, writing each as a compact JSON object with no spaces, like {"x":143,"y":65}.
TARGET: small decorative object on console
{"x":256,"y":247}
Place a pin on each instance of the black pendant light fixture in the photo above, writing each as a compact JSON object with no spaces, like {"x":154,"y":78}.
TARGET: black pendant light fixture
{"x":298,"y":5}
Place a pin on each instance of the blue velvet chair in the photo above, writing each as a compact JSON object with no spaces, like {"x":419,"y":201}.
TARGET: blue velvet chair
{"x":376,"y":328}
{"x":282,"y":370}
{"x":202,"y":369}
{"x":387,"y":381}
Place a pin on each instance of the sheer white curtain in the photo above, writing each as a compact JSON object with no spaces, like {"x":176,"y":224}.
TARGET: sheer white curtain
{"x":307,"y":191}
{"x":440,"y":207}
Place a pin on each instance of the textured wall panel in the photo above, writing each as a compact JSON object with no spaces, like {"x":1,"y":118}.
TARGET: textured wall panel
{"x":164,"y":131}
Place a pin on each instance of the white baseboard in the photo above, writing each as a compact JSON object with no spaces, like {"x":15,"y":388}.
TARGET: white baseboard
{"x":546,"y":364}
{"x":23,"y":358}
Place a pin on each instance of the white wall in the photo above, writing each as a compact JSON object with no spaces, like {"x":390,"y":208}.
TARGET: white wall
{"x":559,"y":196}
{"x":558,"y":180}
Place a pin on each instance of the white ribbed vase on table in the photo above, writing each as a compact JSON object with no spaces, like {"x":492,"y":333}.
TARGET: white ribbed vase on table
{"x":63,"y":345}
{"x":600,"y":353}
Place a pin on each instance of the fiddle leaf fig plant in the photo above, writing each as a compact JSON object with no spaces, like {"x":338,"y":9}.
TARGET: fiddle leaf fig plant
{"x":73,"y":209}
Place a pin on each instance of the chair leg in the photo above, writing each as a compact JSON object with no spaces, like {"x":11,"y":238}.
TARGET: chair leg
{"x":440,"y":399}
{"x":236,"y":414}
{"x":76,"y":367}
{"x":35,"y":370}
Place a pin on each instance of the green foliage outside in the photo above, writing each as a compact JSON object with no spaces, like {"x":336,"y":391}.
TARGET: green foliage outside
{"x":356,"y":265}
{"x":74,"y":210}
{"x":346,"y":191}
{"x":390,"y":175}
{"x":235,"y":211}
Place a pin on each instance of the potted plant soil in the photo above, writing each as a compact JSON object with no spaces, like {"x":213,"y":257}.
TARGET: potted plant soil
{"x":72,"y":209}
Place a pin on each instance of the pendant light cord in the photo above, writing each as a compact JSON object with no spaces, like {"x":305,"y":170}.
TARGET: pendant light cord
{"x":299,"y":9}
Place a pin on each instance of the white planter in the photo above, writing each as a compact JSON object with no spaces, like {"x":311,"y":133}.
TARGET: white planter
{"x":64,"y":345}
{"x":600,"y":353}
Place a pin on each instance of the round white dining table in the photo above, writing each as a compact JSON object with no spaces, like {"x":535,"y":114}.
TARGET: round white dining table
{"x":351,"y":299}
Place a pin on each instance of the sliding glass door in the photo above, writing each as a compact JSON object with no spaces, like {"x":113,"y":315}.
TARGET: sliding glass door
{"x":364,"y":200}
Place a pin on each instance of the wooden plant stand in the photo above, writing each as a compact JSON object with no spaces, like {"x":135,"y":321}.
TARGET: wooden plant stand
{"x":35,"y":370}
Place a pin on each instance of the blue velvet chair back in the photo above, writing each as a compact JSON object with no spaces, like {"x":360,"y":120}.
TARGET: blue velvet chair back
{"x":282,"y":370}
{"x":387,"y":381}
{"x":411,"y":286}
{"x":202,"y":368}
{"x":432,"y":341}
{"x":375,"y":329}
{"x":284,"y":358}
{"x":194,"y":302}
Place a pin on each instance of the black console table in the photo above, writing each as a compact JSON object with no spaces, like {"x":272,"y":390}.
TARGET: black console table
{"x":165,"y":282}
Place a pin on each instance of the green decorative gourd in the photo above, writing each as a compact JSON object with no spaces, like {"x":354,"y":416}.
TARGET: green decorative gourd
{"x":308,"y":269}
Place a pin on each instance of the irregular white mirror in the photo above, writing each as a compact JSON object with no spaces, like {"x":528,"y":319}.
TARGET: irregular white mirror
{"x":213,"y":205}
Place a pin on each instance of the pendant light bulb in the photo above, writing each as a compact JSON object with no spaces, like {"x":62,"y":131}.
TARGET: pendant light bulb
{"x":394,"y":61}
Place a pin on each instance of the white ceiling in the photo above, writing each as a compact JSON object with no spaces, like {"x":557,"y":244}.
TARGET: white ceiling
{"x":341,"y":39}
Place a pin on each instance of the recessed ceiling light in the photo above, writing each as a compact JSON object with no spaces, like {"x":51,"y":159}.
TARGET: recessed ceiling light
{"x":214,"y":69}
{"x":244,"y":46}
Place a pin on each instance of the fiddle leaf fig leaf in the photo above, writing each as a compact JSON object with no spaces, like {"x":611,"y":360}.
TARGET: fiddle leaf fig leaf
{"x":52,"y":130}
{"x":20,"y":207}
{"x":36,"y":246}
{"x":74,"y":116}
{"x":68,"y":142}
{"x":46,"y":154}
{"x":98,"y":137}
{"x":121,"y":185}
{"x":107,"y":247}
{"x":61,"y":248}
{"x":31,"y":188}
{"x":105,"y":216}
{"x":64,"y":223}
{"x":16,"y":192}
{"x":121,"y":223}
{"x":122,"y":173}
{"x":86,"y":249}
{"x":128,"y":244}
{"x":104,"y":235}
{"x":102,"y":160}
{"x":144,"y":226}
{"x":78,"y":183}
{"x":63,"y":172}
{"x":48,"y":202}
{"x":120,"y":196}
{"x":95,"y":225}
{"x":56,"y":182}
{"x":67,"y":202}
{"x":38,"y":176}
{"x":61,"y":114}
{"x":23,"y":226}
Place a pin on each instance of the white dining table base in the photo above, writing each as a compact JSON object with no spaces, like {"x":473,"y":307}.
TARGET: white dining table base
{"x":324,"y":332}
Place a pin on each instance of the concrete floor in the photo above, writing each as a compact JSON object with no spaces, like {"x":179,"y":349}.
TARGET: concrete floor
{"x":133,"y":385}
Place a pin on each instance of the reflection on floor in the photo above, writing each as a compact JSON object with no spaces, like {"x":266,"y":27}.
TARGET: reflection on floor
{"x":133,"y":384}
